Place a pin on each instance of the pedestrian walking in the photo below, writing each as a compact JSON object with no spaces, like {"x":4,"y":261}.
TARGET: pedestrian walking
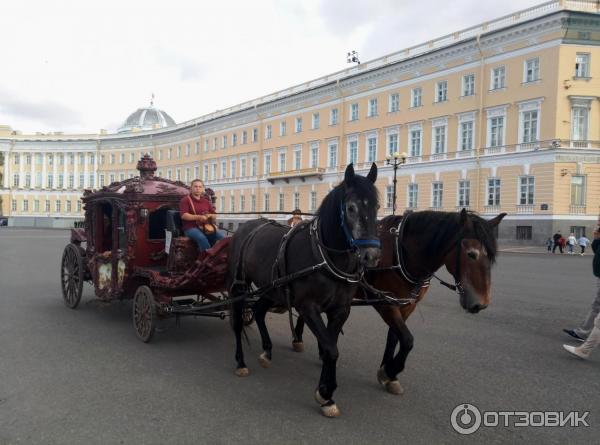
{"x":549,"y":244}
{"x":591,"y":320}
{"x":556,"y":238}
{"x":583,"y":243}
{"x":571,"y":241}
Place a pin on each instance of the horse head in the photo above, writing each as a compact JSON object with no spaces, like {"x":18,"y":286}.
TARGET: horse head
{"x":471,"y":259}
{"x":349,"y":216}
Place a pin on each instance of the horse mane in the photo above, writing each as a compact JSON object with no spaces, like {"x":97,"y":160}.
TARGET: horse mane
{"x":440,"y":228}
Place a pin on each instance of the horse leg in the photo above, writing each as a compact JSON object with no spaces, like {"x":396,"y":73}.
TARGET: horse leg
{"x":327,"y":338}
{"x":237,"y":320}
{"x":393,"y":365}
{"x":260,"y":311}
{"x":297,"y":342}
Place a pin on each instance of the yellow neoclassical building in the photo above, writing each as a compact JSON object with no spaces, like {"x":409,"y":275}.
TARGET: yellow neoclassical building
{"x":500,"y":117}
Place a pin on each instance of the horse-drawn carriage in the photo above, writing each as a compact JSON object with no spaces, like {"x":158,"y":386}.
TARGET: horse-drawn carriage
{"x":132,"y":247}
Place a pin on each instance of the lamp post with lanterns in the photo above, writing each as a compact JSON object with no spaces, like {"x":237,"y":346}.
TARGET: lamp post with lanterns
{"x":395,"y":160}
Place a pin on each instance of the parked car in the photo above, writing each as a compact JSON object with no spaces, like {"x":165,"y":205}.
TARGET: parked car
{"x":3,"y":221}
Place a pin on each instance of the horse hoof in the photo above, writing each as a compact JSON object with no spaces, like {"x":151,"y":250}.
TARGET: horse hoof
{"x":330,"y":411}
{"x":328,"y":407}
{"x":264,"y":360}
{"x":298,"y":346}
{"x":242,"y":372}
{"x":394,"y":387}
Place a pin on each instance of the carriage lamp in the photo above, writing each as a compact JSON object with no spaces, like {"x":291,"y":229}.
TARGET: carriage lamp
{"x":395,"y":159}
{"x":143,"y":214}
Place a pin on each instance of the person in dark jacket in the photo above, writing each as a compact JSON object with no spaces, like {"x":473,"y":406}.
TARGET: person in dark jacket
{"x":556,"y":237}
{"x":592,"y":320}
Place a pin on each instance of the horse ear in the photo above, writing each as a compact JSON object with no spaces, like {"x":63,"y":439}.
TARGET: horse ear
{"x":349,"y":175}
{"x":464,"y":219}
{"x":372,"y":176}
{"x":495,"y":221}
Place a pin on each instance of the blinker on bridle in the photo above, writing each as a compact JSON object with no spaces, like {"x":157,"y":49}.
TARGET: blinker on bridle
{"x":356,"y":243}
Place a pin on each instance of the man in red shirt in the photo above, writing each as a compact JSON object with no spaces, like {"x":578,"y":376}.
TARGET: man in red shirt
{"x":197,"y":210}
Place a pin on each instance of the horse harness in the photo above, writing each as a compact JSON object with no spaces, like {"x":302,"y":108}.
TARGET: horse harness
{"x":399,"y":265}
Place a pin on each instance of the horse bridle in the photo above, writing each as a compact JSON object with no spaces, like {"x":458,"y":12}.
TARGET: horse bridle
{"x":400,"y":266}
{"x":356,"y":243}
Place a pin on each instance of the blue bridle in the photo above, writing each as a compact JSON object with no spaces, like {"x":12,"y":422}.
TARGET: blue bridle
{"x":356,"y":243}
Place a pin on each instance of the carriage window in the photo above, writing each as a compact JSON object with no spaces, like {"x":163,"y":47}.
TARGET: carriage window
{"x":106,"y":229}
{"x":157,"y":224}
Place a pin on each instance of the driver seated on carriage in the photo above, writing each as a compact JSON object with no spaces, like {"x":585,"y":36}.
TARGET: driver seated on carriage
{"x":198,"y":216}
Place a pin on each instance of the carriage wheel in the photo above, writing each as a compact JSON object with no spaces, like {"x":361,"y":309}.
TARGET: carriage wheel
{"x":71,"y":276}
{"x":144,"y":313}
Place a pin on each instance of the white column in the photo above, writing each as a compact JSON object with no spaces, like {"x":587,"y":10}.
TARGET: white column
{"x":44,"y":183}
{"x":96,"y":173}
{"x":65,"y":176}
{"x":6,"y":172}
{"x":32,"y":169}
{"x":86,"y":182}
{"x":22,"y":160}
{"x":75,"y":170}
{"x":54,"y":171}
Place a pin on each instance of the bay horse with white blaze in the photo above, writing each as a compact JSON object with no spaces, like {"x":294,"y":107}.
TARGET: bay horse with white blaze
{"x":413,"y":247}
{"x":315,"y":267}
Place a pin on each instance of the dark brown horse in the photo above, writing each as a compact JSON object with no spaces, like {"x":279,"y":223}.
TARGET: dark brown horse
{"x":413,"y":247}
{"x":326,"y":258}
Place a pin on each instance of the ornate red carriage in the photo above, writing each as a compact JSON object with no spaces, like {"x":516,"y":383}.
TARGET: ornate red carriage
{"x":131,"y":247}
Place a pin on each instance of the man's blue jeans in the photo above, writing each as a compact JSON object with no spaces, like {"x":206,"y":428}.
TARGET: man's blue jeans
{"x":203,"y":240}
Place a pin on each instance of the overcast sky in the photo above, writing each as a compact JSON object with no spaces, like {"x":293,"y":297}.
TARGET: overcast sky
{"x":78,"y":66}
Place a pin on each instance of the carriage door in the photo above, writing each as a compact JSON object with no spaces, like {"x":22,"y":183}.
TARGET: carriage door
{"x":119,"y":248}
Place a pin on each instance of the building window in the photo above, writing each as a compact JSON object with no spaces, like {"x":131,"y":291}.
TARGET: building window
{"x":205,"y":148}
{"x":579,"y":123}
{"x":131,"y":157}
{"x":392,"y":143}
{"x":221,"y":204}
{"x":187,"y":150}
{"x":413,"y":195}
{"x":354,"y":112}
{"x":197,"y":147}
{"x":389,"y":196}
{"x":468,"y":85}
{"x":28,"y":180}
{"x":352,"y":152}
{"x":316,"y":121}
{"x":373,"y":107}
{"x":437,"y":191}
{"x":314,"y":155}
{"x":266,"y":202}
{"x":68,"y":209}
{"x":493,"y":192}
{"x":267,"y":164}
{"x":526,"y":190}
{"x":36,"y":205}
{"x":296,"y":200}
{"x":297,"y":158}
{"x":313,"y":201}
{"x":582,"y":65}
{"x":13,"y":205}
{"x":57,"y":207}
{"x":100,"y":180}
{"x":578,"y":190}
{"x":253,"y":203}
{"x":121,"y":158}
{"x":332,"y":158}
{"x":282,"y":157}
{"x":16,"y":180}
{"x":298,"y":127}
{"x":466,"y":135}
{"x":498,"y":78}
{"x":243,"y":167}
{"x":78,"y":206}
{"x":223,"y":169}
{"x":415,"y":97}
{"x":529,"y":126}
{"x":268,"y":131}
{"x":464,"y":191}
{"x":441,"y":91}
{"x":232,"y":166}
{"x":282,"y":128}
{"x":253,"y":163}
{"x":254,"y":134}
{"x":281,"y":203}
{"x":524,"y":232}
{"x":244,"y":137}
{"x":394,"y":103}
{"x":25,"y":205}
{"x":17,"y":158}
{"x":439,"y":139}
{"x":531,"y":70}
{"x":371,"y":149}
{"x":415,"y":141}
{"x":50,"y":181}
{"x":496,"y":131}
{"x":232,"y":203}
{"x":333,"y":116}
{"x":50,"y":159}
{"x":242,"y":203}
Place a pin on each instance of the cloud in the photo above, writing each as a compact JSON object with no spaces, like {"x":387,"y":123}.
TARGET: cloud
{"x":188,"y":68}
{"x":48,"y":113}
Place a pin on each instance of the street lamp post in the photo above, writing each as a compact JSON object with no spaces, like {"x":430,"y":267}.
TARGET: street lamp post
{"x":395,"y":160}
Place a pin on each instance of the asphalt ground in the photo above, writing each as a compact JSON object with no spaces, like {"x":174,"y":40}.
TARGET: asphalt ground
{"x":82,"y":376}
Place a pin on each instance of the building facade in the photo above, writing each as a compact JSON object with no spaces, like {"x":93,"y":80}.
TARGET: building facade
{"x":500,"y":117}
